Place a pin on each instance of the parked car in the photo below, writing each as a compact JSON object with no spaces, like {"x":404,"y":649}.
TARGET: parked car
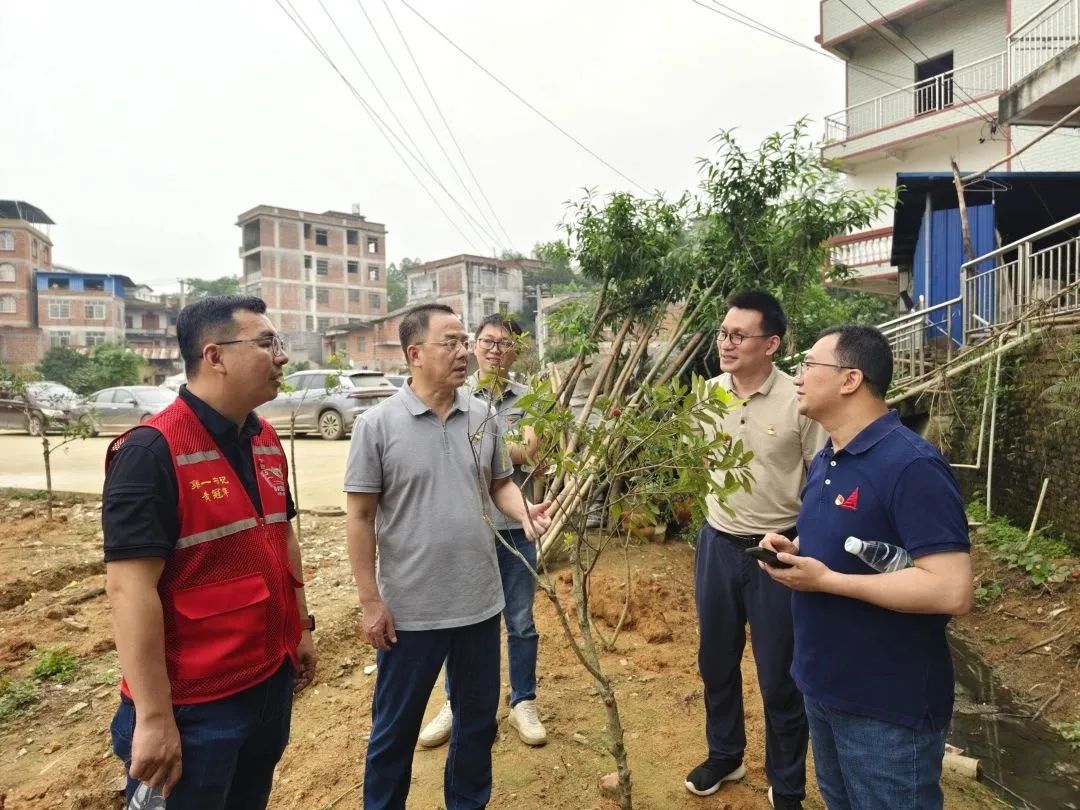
{"x":328,"y":411}
{"x":40,"y":406}
{"x":397,"y":380}
{"x":114,"y":410}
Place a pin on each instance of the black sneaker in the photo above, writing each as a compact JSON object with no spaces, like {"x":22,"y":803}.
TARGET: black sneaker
{"x":707,"y":777}
{"x":783,"y":802}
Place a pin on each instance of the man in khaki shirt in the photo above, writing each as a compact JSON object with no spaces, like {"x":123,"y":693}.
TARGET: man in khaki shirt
{"x":730,"y":588}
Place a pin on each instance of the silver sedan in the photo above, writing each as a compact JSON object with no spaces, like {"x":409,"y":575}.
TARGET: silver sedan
{"x":114,"y":410}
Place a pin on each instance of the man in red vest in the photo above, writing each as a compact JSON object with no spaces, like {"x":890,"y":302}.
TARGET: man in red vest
{"x":203,"y":573}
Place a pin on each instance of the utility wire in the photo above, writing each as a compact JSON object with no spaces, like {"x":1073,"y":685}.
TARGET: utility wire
{"x":376,"y":120}
{"x":518,"y":96}
{"x":482,"y":233}
{"x":446,"y":123}
{"x":427,"y":123}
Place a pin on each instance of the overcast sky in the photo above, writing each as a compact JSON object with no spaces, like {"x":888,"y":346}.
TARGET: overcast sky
{"x":144,"y":128}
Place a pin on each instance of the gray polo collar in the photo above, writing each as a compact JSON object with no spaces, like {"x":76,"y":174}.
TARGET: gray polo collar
{"x":511,"y":387}
{"x":418,"y":407}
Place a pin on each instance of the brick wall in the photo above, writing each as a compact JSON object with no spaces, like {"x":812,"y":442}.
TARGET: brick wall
{"x":21,"y":347}
{"x":1029,"y":446}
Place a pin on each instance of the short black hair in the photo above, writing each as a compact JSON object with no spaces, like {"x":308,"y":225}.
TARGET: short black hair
{"x":208,"y":320}
{"x":773,"y":319}
{"x":501,"y":321}
{"x":867,"y":349}
{"x":415,"y":324}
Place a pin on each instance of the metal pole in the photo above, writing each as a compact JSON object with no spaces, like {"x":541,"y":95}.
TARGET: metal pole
{"x":539,"y":325}
{"x":993,"y":428}
{"x":1038,"y":508}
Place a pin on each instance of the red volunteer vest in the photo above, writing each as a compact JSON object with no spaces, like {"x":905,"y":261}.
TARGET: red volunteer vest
{"x":227,"y":590}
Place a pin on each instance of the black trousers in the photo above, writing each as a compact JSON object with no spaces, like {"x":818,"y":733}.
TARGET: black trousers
{"x":731,"y":590}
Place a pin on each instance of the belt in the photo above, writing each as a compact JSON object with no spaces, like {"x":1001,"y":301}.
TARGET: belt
{"x":751,"y":540}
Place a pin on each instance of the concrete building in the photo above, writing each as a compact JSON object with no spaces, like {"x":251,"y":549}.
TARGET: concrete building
{"x":924,"y":84}
{"x":80,"y":309}
{"x":313,"y":271}
{"x":373,"y":345}
{"x":473,"y":286}
{"x":150,"y":331}
{"x":25,"y":248}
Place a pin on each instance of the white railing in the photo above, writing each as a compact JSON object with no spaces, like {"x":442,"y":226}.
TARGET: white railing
{"x":1030,"y":277}
{"x":954,"y":87}
{"x":1039,"y":39}
{"x":922,"y":339}
{"x":862,"y":249}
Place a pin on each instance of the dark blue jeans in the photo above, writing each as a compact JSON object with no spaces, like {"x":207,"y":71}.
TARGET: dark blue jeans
{"x":519,"y":591}
{"x":730,"y":590}
{"x":229,"y":746}
{"x":406,"y":674}
{"x":861,"y":762}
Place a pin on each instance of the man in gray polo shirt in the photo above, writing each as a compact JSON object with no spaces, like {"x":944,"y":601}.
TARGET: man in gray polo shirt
{"x":421,"y":467}
{"x":496,"y":351}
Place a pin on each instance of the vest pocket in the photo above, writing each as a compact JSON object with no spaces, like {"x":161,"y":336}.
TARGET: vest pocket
{"x":221,"y":626}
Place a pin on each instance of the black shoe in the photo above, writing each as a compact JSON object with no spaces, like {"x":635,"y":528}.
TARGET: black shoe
{"x":783,"y":802}
{"x":707,"y":777}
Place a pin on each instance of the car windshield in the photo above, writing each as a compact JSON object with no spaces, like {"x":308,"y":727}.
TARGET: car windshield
{"x":366,"y":380}
{"x":51,"y":392}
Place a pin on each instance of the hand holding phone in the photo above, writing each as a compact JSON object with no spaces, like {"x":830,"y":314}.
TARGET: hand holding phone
{"x":767,"y":556}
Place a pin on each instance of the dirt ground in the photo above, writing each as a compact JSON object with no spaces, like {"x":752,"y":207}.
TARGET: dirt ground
{"x":56,"y":754}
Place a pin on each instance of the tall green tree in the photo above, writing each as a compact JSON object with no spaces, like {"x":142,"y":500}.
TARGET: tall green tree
{"x":62,"y":364}
{"x":397,"y":291}
{"x":110,"y":365}
{"x":204,"y":287}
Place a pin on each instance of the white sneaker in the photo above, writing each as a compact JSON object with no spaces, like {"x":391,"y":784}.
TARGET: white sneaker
{"x":437,"y":731}
{"x":523,"y":717}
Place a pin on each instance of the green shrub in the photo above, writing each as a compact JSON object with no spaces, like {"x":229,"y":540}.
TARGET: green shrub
{"x":16,"y":697}
{"x":55,"y":664}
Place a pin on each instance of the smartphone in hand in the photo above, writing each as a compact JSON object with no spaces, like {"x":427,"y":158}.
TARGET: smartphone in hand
{"x":767,"y":556}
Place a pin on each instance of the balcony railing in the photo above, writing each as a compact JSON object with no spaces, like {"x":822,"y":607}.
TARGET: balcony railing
{"x":1052,"y":30}
{"x":865,"y":249}
{"x":954,"y":87}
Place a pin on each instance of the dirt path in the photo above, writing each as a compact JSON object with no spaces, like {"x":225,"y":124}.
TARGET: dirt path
{"x":56,"y":753}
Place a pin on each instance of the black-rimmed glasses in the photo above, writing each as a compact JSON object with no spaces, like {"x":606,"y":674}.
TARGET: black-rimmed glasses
{"x":736,"y":338}
{"x":490,"y":343}
{"x":273,"y":343}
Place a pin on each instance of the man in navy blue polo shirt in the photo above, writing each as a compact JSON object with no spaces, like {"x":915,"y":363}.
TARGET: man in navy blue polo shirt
{"x":871,"y":655}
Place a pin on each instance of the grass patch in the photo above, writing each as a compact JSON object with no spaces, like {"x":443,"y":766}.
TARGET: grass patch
{"x":55,"y":664}
{"x":1042,"y":558}
{"x":16,"y":697}
{"x":1071,"y":733}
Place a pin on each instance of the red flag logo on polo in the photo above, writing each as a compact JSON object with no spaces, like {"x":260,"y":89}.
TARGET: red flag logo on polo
{"x":850,"y":502}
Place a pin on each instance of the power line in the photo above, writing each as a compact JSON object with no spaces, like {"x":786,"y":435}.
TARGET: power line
{"x":379,"y":124}
{"x":446,"y":123}
{"x":427,"y":123}
{"x":482,"y":233}
{"x":518,"y":96}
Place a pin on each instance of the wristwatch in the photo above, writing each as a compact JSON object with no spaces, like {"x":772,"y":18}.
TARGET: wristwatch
{"x":311,"y":622}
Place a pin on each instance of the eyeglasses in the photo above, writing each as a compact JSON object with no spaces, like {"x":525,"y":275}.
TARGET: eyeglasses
{"x":450,"y":344}
{"x":801,"y":368}
{"x":274,"y":343}
{"x":490,"y":343}
{"x":736,"y":338}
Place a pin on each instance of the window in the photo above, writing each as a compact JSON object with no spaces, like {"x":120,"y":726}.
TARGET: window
{"x":320,"y":237}
{"x":59,"y":284}
{"x":487,"y":277}
{"x":95,"y":338}
{"x":59,"y":309}
{"x":322,"y":295}
{"x":307,"y":231}
{"x":7,"y":240}
{"x":352,"y":237}
{"x":322,"y":267}
{"x":354,"y":296}
{"x":361,"y":343}
{"x":373,"y":272}
{"x":504,"y":280}
{"x":33,"y":248}
{"x":310,"y":323}
{"x":324,"y":324}
{"x":7,"y":303}
{"x":353,"y":267}
{"x":7,"y":272}
{"x":58,"y":340}
{"x":374,"y":300}
{"x":372,"y":244}
{"x":934,"y":84}
{"x":95,"y":312}
{"x":103,"y":397}
{"x":129,"y":322}
{"x":307,"y":260}
{"x":489,"y":306}
{"x":504,"y":308}
{"x":94,"y":284}
{"x":309,"y":293}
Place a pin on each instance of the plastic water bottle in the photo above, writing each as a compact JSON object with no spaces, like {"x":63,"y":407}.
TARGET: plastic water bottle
{"x":146,"y":798}
{"x":882,"y":557}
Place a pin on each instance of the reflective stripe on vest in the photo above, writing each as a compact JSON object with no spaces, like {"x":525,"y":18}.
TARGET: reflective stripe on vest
{"x":220,"y":531}
{"x":195,"y":458}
